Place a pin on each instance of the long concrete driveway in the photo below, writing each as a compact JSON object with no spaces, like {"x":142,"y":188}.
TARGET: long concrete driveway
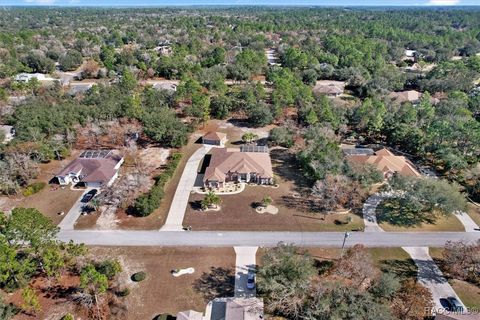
{"x":265,"y":239}
{"x":184,"y":188}
{"x":68,"y":222}
{"x":430,"y":276}
{"x":245,"y":262}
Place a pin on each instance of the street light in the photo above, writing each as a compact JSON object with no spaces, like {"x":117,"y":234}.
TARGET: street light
{"x":346,"y":235}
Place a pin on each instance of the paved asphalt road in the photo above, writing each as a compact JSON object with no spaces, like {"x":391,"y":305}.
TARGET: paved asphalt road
{"x":265,"y":239}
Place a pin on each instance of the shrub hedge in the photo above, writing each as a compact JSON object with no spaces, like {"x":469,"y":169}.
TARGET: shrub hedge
{"x":145,"y":204}
{"x":33,"y":188}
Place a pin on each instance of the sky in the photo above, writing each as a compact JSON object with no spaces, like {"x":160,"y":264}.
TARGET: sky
{"x":413,"y":3}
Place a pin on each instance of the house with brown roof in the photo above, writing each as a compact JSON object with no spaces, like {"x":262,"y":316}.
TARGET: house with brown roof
{"x":228,"y":309}
{"x":385,"y":162}
{"x":94,"y":168}
{"x":329,"y":88}
{"x":412,"y":96}
{"x":215,"y":138}
{"x":234,"y":166}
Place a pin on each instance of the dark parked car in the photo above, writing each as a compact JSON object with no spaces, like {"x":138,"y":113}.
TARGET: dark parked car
{"x":456,"y":305}
{"x":251,"y":280}
{"x":89,"y":196}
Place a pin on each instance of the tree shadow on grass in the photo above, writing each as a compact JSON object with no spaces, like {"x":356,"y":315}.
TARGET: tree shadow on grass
{"x":219,"y":282}
{"x":286,"y":166}
{"x":392,"y":211}
{"x":301,"y":204}
{"x":402,"y":268}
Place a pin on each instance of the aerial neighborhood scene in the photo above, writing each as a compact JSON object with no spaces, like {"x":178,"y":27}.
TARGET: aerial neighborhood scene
{"x":247,"y":160}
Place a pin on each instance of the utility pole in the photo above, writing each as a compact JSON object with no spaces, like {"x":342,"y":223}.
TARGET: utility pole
{"x":347,"y":234}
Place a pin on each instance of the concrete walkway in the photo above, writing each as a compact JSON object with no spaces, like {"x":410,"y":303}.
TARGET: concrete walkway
{"x":430,"y":276}
{"x":245,"y":261}
{"x":467,"y":222}
{"x":184,"y":188}
{"x":68,"y":222}
{"x":369,"y":212}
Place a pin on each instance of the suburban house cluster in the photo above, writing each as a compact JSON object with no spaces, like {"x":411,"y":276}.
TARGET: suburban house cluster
{"x":94,"y":168}
{"x":227,"y":309}
{"x":236,"y":165}
{"x":384,"y":160}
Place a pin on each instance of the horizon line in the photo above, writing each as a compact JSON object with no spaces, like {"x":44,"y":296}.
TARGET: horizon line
{"x":238,"y":5}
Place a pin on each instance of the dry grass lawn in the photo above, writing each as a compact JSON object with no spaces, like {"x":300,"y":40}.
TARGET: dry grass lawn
{"x":48,"y":201}
{"x":163,"y":293}
{"x":295,"y":214}
{"x":468,"y":293}
{"x":443,"y":223}
{"x":474,"y":213}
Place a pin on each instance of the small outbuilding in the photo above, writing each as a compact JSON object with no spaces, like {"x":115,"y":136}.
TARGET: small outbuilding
{"x":215,"y":138}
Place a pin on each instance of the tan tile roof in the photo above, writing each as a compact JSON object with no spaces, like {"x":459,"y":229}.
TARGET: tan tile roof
{"x":404,"y":96}
{"x":228,"y":160}
{"x":385,"y":161}
{"x":212,"y":135}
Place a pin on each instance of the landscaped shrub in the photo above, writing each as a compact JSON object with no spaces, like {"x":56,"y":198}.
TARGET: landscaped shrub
{"x":123,"y":293}
{"x":147,"y":203}
{"x":109,"y":268}
{"x":139,"y":276}
{"x":33,"y":188}
{"x":68,"y":316}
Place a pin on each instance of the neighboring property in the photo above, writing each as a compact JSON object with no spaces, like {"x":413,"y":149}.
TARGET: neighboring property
{"x":43,"y":78}
{"x":329,"y":88}
{"x":405,"y":96}
{"x":79,"y":87}
{"x":385,"y":161}
{"x":169,"y":86}
{"x":9,"y":133}
{"x":409,"y":55}
{"x":272,"y":58}
{"x":228,"y":309}
{"x":95,"y":168}
{"x":215,"y":138}
{"x":233,"y":166}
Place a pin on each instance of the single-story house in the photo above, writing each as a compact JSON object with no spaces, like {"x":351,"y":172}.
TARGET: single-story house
{"x":215,"y":138}
{"x":95,"y":168}
{"x":43,"y":78}
{"x":385,"y":162}
{"x":80,"y":87}
{"x":329,"y":88}
{"x":232,"y":165}
{"x":169,"y":86}
{"x":412,"y":96}
{"x":9,"y":133}
{"x":228,"y":309}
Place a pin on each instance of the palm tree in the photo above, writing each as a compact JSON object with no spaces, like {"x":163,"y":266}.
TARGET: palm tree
{"x":266,"y":201}
{"x":211,"y":199}
{"x":249,"y":137}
